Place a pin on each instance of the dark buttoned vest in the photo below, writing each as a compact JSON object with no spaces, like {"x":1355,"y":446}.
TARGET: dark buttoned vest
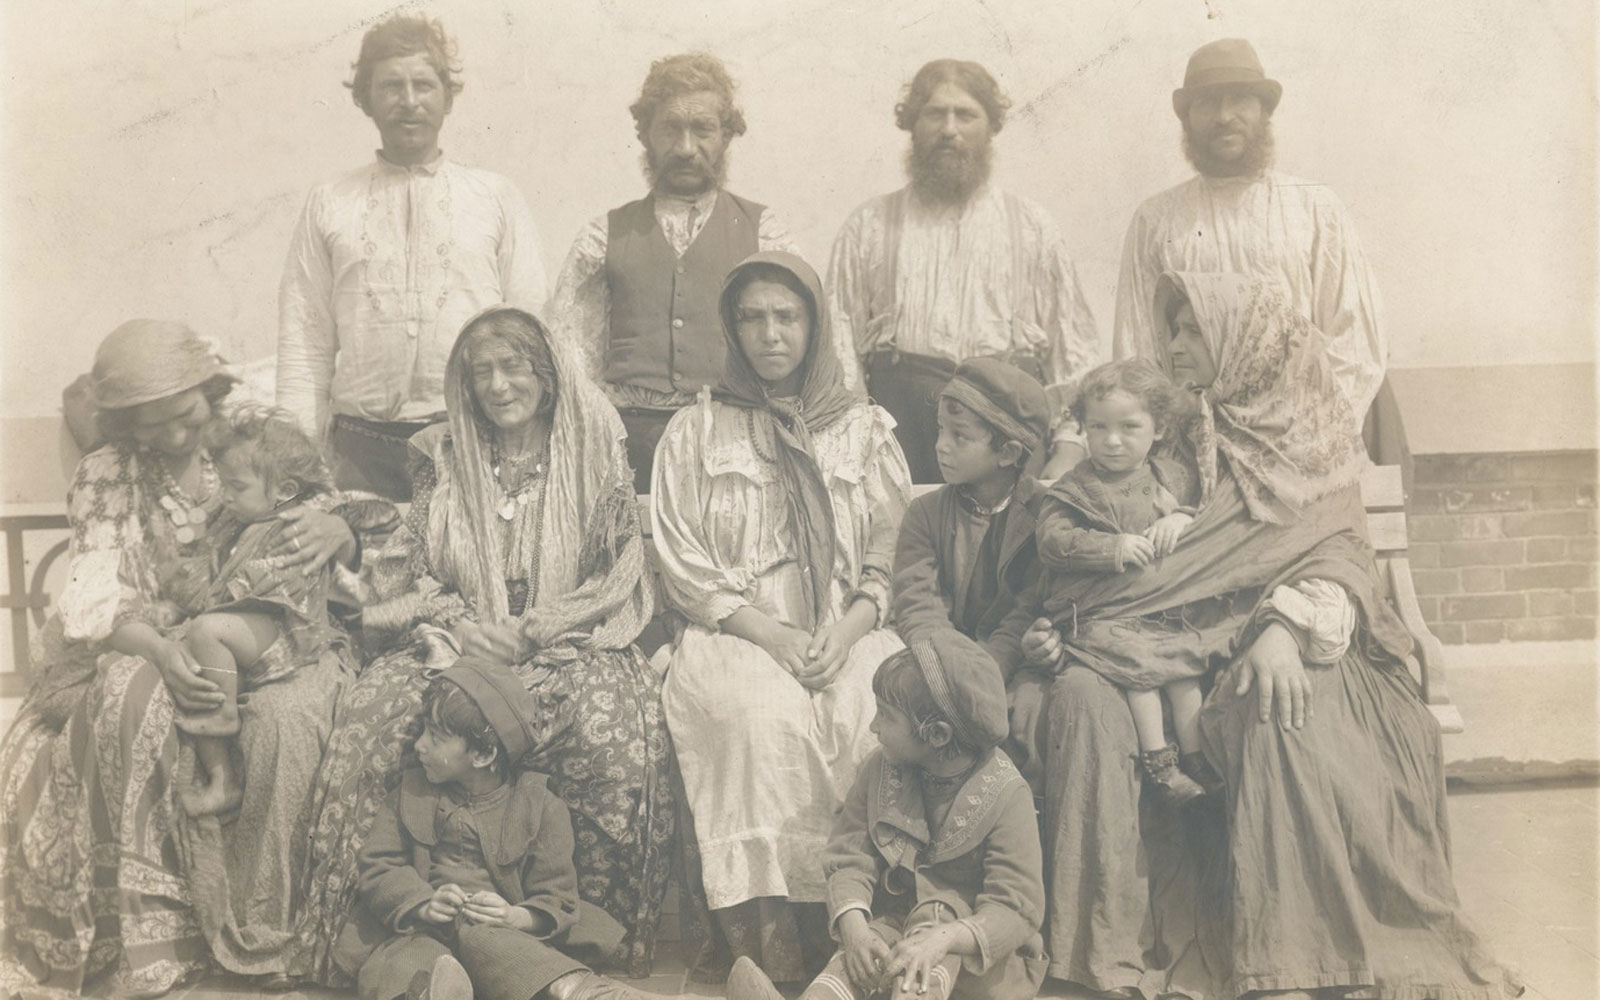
{"x":665,"y":331}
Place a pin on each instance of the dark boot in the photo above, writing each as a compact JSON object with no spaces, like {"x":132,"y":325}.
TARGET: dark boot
{"x":1161,"y":769}
{"x":1195,"y":765}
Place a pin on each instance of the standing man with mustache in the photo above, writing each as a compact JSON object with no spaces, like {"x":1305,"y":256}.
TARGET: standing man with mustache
{"x":950,"y":268}
{"x":1240,"y":215}
{"x":388,"y":261}
{"x":640,"y":286}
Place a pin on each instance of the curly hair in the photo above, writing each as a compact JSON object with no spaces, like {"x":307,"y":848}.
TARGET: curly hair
{"x":682,"y":74}
{"x":405,"y":35}
{"x":270,"y":441}
{"x":116,"y":426}
{"x":513,"y":330}
{"x":899,"y":682}
{"x":969,"y":76}
{"x":1140,"y":378}
{"x":450,"y":711}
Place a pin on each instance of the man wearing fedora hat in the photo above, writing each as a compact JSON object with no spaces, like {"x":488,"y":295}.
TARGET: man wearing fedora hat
{"x":1240,"y":215}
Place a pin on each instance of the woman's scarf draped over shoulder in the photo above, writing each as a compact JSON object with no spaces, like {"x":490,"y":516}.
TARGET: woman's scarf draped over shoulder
{"x":823,"y":400}
{"x":1275,"y":411}
{"x":587,"y":468}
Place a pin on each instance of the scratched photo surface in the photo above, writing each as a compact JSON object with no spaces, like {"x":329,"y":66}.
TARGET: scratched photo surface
{"x":155,"y":155}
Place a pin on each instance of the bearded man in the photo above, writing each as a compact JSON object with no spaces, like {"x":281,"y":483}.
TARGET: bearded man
{"x":640,"y":285}
{"x":1240,"y":215}
{"x":950,"y":268}
{"x":388,"y":261}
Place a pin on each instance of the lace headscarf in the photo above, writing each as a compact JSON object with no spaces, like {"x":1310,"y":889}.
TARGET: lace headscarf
{"x":792,"y":420}
{"x":1275,"y":411}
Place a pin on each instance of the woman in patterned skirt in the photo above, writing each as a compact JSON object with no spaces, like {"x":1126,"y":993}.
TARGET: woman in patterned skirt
{"x":522,"y":544}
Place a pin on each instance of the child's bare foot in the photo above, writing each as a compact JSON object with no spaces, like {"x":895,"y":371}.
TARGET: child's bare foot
{"x":217,"y":796}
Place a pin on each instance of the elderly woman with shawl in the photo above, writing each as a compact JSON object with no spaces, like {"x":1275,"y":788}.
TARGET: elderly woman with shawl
{"x":109,"y":884}
{"x":523,"y":545}
{"x":776,"y":499}
{"x":1324,"y":867}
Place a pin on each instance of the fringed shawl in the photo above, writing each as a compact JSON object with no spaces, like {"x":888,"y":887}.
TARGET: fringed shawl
{"x":1275,"y":411}
{"x":580,"y":549}
{"x":823,"y":400}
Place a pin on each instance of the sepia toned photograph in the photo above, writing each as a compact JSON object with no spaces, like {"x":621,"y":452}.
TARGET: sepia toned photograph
{"x":939,"y":500}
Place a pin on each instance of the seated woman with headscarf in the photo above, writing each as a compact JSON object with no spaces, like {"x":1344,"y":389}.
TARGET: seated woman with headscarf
{"x":522,"y":545}
{"x":1324,"y":868}
{"x":108,"y":883}
{"x":776,"y":500}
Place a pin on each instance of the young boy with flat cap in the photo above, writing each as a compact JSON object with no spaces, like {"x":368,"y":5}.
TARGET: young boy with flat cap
{"x":966,"y":549}
{"x":935,"y":875}
{"x":467,"y":883}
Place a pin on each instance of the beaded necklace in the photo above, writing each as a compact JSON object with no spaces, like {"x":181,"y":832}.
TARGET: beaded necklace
{"x":755,"y":438}
{"x":188,"y":514}
{"x":522,"y":493}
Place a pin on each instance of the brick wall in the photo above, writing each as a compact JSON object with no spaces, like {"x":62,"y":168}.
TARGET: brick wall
{"x":1503,"y":546}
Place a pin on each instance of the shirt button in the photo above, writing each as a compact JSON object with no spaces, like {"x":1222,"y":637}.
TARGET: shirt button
{"x":677,"y":324}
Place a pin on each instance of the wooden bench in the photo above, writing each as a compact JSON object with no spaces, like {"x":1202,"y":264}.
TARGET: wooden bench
{"x":1383,"y":496}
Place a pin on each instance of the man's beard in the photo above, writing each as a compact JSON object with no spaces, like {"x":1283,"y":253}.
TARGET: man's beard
{"x":1257,"y":156}
{"x":716,"y":174}
{"x":948,"y":176}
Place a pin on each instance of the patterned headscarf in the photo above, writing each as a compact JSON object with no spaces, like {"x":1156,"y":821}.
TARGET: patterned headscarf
{"x":792,"y":419}
{"x":587,"y":471}
{"x":148,"y":359}
{"x":1275,"y":410}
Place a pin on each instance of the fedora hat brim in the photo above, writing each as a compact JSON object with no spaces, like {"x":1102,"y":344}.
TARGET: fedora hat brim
{"x":1270,"y":92}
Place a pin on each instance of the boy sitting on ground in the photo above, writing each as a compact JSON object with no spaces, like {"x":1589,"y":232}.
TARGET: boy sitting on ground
{"x":935,"y":875}
{"x":467,"y":882}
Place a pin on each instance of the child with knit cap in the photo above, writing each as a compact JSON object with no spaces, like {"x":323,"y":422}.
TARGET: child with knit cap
{"x":935,"y":875}
{"x":467,"y":884}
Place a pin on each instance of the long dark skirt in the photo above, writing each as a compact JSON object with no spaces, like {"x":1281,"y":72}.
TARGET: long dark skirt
{"x":1326,"y":863}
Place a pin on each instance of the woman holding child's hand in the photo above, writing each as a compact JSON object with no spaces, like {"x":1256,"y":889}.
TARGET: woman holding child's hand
{"x":775,"y":505}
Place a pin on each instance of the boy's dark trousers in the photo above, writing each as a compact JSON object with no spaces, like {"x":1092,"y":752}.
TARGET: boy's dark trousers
{"x":503,"y":964}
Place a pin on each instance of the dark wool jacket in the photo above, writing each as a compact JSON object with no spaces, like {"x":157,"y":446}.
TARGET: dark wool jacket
{"x":529,"y":858}
{"x":984,"y":864}
{"x":924,"y":592}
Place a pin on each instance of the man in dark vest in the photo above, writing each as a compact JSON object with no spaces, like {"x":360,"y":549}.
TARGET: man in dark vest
{"x":639,"y":288}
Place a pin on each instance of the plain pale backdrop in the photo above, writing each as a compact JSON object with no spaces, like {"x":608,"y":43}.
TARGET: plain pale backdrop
{"x":155,"y":152}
